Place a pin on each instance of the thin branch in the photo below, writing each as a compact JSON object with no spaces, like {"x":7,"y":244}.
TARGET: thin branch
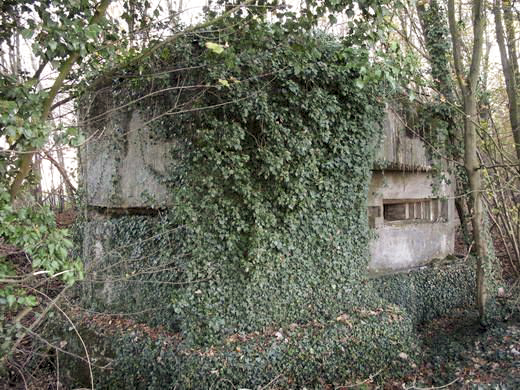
{"x":38,"y":72}
{"x":53,"y":302}
{"x":62,"y":102}
{"x":62,"y":172}
{"x":433,"y":388}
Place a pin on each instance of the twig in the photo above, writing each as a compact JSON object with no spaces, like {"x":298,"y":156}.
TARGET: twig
{"x":368,"y":380}
{"x":433,"y":388}
{"x":53,"y":303}
{"x":270,"y":383}
{"x":469,"y":251}
{"x":59,"y":349}
{"x":21,"y":374}
{"x":57,"y":370}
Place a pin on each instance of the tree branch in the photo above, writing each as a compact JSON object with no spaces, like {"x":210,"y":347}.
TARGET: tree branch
{"x":25,"y":165}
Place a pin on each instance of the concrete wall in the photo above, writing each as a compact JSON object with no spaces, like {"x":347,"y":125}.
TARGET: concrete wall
{"x":409,"y":242}
{"x":124,"y":164}
{"x":401,"y":148}
{"x":401,"y":188}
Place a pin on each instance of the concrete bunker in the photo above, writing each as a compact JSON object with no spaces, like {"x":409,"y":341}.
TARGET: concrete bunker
{"x":299,"y":261}
{"x":411,"y":212}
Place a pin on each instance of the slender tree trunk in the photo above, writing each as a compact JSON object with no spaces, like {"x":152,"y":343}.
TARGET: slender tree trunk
{"x":511,"y":38}
{"x":472,"y":166}
{"x":70,"y":189}
{"x":65,"y":68}
{"x":37,"y":189}
{"x":61,"y":189}
{"x":435,"y":33}
{"x":509,"y":62}
{"x":432,"y":18}
{"x":468,"y":86}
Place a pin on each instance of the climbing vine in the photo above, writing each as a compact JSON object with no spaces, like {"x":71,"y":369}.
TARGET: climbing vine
{"x":275,"y":135}
{"x":273,"y":197}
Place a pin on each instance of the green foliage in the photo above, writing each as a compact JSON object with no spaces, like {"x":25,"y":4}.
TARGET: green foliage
{"x":440,"y":118}
{"x":55,"y":34}
{"x":34,"y":229}
{"x":45,"y":249}
{"x":274,"y":180}
{"x":343,"y":350}
{"x":136,"y":269}
{"x":431,"y":291}
{"x":350,"y":348}
{"x":275,"y":135}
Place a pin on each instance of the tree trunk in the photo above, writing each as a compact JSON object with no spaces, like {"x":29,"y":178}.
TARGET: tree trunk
{"x":468,"y":86}
{"x":65,"y":68}
{"x":436,"y":38}
{"x":37,"y":189}
{"x":506,"y":45}
{"x":61,"y":189}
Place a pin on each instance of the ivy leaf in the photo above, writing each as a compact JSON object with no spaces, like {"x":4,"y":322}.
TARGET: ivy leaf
{"x":11,"y":299}
{"x":215,"y":47}
{"x":27,"y":33}
{"x":62,"y":253}
{"x":53,"y":45}
{"x":225,"y":83}
{"x":31,"y":301}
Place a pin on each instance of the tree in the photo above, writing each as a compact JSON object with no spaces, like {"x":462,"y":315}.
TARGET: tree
{"x":59,"y":34}
{"x":457,"y":103}
{"x":40,"y":114}
{"x":467,"y":81}
{"x":502,"y":9}
{"x":434,"y":28}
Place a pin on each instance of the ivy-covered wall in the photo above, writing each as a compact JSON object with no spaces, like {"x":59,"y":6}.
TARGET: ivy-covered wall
{"x":130,"y":267}
{"x":430,"y":291}
{"x":270,"y":192}
{"x":265,"y":237}
{"x":359,"y":343}
{"x":343,"y":350}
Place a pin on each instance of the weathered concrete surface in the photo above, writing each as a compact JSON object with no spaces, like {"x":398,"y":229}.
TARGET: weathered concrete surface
{"x":406,"y":243}
{"x":128,"y":267}
{"x":98,"y":285}
{"x":401,"y":148}
{"x":401,"y":246}
{"x":404,"y":185}
{"x":124,"y":164}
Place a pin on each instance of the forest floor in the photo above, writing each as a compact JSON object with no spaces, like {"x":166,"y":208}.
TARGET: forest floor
{"x":457,"y":353}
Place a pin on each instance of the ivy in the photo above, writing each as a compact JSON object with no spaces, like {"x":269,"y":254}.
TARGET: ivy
{"x":275,"y":139}
{"x":273,"y":181}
